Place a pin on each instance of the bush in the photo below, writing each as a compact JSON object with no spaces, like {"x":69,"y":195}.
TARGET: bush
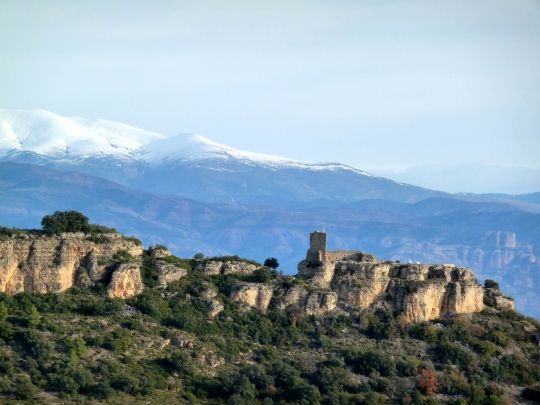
{"x":234,"y":258}
{"x":491,"y":284}
{"x":127,"y":383}
{"x":123,"y":256}
{"x":36,"y":344}
{"x":181,"y":362}
{"x":451,"y":353}
{"x":371,"y":361}
{"x":428,"y":382}
{"x":63,"y":383}
{"x":25,"y":390}
{"x":532,"y":393}
{"x":487,"y":348}
{"x":263,"y":275}
{"x":517,"y":370}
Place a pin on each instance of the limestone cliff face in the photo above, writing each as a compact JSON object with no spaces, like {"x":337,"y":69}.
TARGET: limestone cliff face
{"x":51,"y":263}
{"x":422,"y":292}
{"x":312,"y":302}
{"x":254,"y":294}
{"x":125,"y":282}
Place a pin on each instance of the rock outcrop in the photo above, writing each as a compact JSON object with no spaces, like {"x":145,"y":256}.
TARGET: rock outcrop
{"x":312,"y":303}
{"x":498,"y":300}
{"x":158,"y":251}
{"x":214,"y":267}
{"x":39,"y":263}
{"x":168,"y":273}
{"x":254,"y":294}
{"x":125,"y":282}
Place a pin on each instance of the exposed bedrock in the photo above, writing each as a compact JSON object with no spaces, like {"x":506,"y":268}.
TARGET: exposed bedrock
{"x":51,"y":263}
{"x":213,"y":267}
{"x":125,"y":281}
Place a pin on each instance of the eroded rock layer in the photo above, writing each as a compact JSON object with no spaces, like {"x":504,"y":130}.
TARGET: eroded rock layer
{"x":51,"y":263}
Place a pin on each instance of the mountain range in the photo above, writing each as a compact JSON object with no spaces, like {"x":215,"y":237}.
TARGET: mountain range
{"x":195,"y":195}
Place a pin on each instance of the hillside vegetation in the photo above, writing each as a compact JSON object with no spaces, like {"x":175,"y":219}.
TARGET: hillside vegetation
{"x":164,"y":347}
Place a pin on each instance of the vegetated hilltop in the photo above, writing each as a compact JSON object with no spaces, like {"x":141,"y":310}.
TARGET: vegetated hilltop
{"x":203,"y":330}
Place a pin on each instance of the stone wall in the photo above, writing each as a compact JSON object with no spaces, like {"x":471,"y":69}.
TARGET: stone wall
{"x":354,"y":255}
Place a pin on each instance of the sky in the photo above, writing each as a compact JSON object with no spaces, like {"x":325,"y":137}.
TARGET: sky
{"x":394,"y":87}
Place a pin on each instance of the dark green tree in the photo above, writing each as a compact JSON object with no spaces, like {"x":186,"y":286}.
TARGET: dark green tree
{"x":67,"y":221}
{"x":271,"y":262}
{"x":3,"y":312}
{"x":491,"y":284}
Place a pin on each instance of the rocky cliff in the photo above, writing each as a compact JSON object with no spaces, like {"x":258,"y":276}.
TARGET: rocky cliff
{"x":43,"y":263}
{"x":422,"y":292}
{"x":38,"y":263}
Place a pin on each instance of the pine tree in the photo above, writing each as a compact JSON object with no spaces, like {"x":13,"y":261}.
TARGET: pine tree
{"x":34,"y":318}
{"x":3,"y":312}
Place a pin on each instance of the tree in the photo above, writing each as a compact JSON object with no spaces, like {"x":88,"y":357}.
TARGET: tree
{"x":271,"y":262}
{"x":34,"y":318}
{"x":3,"y":312}
{"x":428,"y":382}
{"x":491,"y":284}
{"x":67,"y":221}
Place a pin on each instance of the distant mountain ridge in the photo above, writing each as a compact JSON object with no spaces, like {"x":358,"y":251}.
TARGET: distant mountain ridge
{"x":187,"y":164}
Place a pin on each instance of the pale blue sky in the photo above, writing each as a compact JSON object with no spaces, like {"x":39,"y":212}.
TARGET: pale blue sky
{"x":374,"y":84}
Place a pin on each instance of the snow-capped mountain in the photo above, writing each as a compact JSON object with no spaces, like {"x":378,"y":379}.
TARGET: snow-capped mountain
{"x":186,"y":164}
{"x":52,"y":137}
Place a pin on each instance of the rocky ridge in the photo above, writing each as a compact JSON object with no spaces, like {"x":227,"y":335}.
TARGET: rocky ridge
{"x":342,"y":282}
{"x":348,"y":284}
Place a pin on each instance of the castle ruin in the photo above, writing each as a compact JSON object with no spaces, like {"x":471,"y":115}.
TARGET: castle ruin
{"x":317,"y":251}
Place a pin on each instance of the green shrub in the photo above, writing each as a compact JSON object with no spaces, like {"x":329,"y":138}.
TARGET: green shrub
{"x":367,"y":362}
{"x":133,"y":240}
{"x":517,"y":370}
{"x":3,"y":312}
{"x":127,"y":383}
{"x":25,"y":390}
{"x":36,"y":344}
{"x":486,"y":348}
{"x":123,"y":256}
{"x":118,"y":340}
{"x":451,"y":353}
{"x":181,"y":362}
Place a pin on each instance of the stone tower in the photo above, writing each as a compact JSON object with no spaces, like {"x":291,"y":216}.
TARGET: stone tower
{"x":317,"y":247}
